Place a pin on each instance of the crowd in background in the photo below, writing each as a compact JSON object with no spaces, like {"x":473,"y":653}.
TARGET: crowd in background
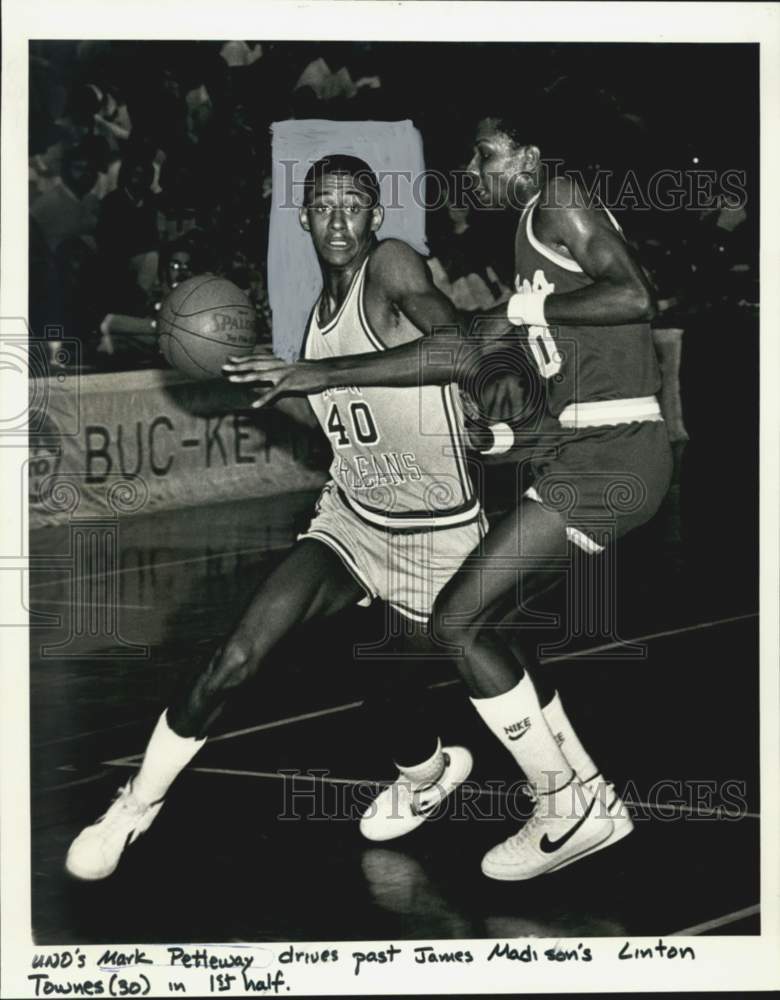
{"x":150,"y":162}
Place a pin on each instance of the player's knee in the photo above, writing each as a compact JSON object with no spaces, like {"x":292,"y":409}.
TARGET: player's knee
{"x":453,"y":627}
{"x":233,"y":665}
{"x":461,"y":638}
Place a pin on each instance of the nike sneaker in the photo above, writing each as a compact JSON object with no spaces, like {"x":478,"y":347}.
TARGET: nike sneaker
{"x":565,"y":826}
{"x":405,"y":805}
{"x":612,"y":805}
{"x":95,"y":853}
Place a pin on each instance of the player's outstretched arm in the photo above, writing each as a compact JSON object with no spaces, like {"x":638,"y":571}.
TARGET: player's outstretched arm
{"x":399,"y":279}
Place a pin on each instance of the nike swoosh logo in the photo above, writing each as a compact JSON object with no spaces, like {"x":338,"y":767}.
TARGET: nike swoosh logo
{"x":516,"y":736}
{"x":550,"y":846}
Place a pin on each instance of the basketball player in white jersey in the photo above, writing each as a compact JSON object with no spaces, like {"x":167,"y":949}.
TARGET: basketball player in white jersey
{"x":581,"y":313}
{"x":395,"y":522}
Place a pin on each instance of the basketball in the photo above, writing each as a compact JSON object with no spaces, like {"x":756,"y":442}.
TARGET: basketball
{"x":203,"y":322}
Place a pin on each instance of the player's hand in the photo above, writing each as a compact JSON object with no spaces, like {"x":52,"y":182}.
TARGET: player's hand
{"x":280,"y":378}
{"x":250,"y":367}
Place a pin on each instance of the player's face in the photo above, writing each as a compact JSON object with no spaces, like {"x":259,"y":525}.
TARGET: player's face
{"x":341,"y":220}
{"x":500,"y":167}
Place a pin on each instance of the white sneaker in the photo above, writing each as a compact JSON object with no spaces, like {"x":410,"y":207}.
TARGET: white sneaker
{"x":613,"y":805}
{"x":404,"y":805}
{"x":563,"y":828}
{"x":95,"y":853}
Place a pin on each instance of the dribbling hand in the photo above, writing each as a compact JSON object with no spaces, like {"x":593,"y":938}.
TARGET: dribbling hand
{"x":279,"y":378}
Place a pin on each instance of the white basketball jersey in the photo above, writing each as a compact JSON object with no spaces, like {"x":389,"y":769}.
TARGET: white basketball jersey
{"x":398,"y":454}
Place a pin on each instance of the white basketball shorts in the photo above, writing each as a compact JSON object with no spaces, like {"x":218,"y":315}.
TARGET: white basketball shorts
{"x":407,"y":569}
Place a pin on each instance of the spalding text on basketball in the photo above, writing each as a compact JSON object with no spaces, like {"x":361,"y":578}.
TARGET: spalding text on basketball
{"x":233,"y":323}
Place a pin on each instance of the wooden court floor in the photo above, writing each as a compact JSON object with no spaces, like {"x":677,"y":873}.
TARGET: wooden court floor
{"x":258,"y":839}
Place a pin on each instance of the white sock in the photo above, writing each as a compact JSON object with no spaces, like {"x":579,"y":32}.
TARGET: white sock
{"x":516,"y":718}
{"x":167,"y":754}
{"x":429,"y":771}
{"x":563,"y":731}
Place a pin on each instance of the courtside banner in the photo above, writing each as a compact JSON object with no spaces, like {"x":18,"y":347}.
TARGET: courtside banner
{"x":135,"y":442}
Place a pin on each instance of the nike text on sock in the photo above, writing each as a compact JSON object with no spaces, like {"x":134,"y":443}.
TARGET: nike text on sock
{"x":515,"y":718}
{"x":567,"y":739}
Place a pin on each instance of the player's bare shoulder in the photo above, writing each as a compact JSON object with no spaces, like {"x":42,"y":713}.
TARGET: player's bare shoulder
{"x":566,"y":215}
{"x":396,"y":272}
{"x":396,"y":267}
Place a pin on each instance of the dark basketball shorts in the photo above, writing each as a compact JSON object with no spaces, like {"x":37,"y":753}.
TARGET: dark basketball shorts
{"x":605,"y":480}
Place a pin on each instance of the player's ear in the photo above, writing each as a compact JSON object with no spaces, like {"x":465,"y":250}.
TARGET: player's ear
{"x":377,"y":217}
{"x":303,"y":218}
{"x":531,"y":157}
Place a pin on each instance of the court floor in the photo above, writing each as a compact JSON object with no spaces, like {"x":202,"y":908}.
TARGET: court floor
{"x":258,"y":840}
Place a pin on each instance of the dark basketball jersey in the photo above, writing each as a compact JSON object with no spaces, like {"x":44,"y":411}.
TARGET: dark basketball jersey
{"x":581,"y":363}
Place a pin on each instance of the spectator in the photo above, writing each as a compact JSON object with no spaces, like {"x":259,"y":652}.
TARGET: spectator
{"x":68,"y":208}
{"x":180,"y":200}
{"x":158,"y":110}
{"x":182,"y":259}
{"x":318,"y":83}
{"x":112,"y":118}
{"x":132,"y":339}
{"x":460,"y":265}
{"x":96,"y":109}
{"x":237,"y":54}
{"x":127,"y":233}
{"x":78,"y":281}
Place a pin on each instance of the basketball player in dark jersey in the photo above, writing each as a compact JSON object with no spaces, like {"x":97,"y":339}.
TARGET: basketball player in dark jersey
{"x":395,"y":522}
{"x":581,"y":311}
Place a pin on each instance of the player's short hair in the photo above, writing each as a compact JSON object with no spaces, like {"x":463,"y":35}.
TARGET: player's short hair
{"x":340,"y":163}
{"x":534,"y":124}
{"x":566,"y":124}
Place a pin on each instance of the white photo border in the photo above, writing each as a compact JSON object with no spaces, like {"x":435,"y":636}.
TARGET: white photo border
{"x":743,"y":963}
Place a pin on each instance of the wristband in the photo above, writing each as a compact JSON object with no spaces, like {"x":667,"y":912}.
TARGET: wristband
{"x":527,"y":308}
{"x":503,"y":439}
